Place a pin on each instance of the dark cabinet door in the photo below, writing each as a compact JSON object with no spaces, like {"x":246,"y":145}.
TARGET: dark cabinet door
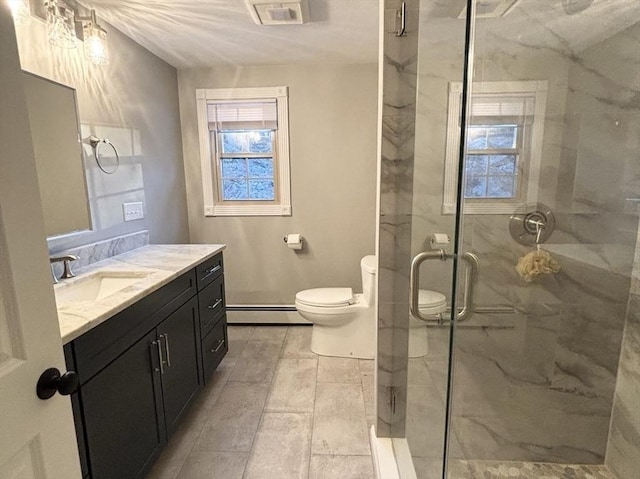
{"x":179,"y":337}
{"x":122,"y":408}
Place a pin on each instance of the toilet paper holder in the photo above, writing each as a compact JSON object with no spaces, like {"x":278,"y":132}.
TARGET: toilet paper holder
{"x":294,"y":241}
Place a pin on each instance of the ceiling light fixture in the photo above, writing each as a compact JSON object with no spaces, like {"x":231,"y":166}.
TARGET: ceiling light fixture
{"x":20,"y":10}
{"x":96,"y":49}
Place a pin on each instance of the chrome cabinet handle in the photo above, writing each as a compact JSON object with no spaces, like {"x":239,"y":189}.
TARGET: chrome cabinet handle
{"x":215,"y":305}
{"x":220,"y":344}
{"x":166,"y":347}
{"x":160,"y":358}
{"x":471,"y":276}
{"x":208,"y":272}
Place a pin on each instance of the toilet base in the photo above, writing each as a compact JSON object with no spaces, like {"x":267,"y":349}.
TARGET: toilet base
{"x":355,"y":339}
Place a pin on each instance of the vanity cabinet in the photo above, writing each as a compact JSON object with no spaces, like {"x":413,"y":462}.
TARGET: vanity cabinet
{"x":140,"y":371}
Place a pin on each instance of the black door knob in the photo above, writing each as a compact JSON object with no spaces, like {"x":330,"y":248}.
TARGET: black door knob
{"x":51,"y":381}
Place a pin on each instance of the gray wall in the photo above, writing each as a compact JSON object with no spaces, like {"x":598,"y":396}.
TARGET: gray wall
{"x":134,"y":102}
{"x":332,"y":116}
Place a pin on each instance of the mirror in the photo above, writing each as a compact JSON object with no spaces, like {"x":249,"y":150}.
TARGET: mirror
{"x":55,"y":133}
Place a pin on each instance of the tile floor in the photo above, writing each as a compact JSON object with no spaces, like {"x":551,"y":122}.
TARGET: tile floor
{"x":275,"y":410}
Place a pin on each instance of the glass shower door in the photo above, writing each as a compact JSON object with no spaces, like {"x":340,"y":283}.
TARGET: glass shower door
{"x":534,"y":168}
{"x":548,"y":201}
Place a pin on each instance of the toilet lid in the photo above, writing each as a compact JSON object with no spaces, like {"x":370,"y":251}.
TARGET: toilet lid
{"x":431,"y":302}
{"x":326,"y":297}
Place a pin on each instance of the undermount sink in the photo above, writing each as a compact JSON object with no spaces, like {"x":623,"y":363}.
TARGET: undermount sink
{"x":96,"y":286}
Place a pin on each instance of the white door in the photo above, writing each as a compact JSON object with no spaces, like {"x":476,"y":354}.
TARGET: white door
{"x":37,"y":438}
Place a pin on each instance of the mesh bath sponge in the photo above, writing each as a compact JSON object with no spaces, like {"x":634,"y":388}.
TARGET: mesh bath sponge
{"x":536,"y":263}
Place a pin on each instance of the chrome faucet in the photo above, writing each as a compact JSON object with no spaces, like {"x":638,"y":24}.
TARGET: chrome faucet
{"x":66,"y":262}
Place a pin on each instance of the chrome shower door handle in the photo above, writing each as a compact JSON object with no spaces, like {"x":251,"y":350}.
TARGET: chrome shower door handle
{"x":470,"y":278}
{"x":471,"y":275}
{"x":414,"y":281}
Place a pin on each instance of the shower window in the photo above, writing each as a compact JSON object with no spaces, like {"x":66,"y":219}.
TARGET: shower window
{"x":503,"y":146}
{"x":244,"y":151}
{"x":492,"y":160}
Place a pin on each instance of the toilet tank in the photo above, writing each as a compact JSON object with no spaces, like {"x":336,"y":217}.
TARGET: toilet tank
{"x":368,"y":267}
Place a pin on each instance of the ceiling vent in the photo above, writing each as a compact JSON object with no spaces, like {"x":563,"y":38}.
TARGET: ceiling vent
{"x":283,"y":13}
{"x":491,"y":8}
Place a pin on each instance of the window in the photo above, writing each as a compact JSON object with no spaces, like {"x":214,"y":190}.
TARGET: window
{"x":503,"y":150}
{"x":244,"y":151}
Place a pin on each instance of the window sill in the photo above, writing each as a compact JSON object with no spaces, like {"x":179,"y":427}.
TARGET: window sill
{"x":248,"y":210}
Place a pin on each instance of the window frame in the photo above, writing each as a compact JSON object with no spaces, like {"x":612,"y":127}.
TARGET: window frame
{"x":209,"y":158}
{"x":531,"y":148}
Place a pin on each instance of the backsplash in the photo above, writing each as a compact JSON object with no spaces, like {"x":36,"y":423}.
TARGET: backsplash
{"x":94,"y":252}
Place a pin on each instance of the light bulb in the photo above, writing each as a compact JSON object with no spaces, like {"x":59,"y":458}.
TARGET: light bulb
{"x":95,"y":44}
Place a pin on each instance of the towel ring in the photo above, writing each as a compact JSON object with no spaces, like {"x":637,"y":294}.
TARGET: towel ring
{"x":96,"y":143}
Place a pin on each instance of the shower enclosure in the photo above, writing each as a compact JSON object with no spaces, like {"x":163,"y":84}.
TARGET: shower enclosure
{"x":512,"y":126}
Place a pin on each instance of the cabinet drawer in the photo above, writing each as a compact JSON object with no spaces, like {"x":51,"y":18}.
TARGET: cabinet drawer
{"x":211,"y":305}
{"x":209,"y":270}
{"x":214,"y":347}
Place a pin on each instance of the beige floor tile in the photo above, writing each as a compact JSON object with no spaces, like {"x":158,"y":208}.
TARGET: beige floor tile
{"x":257,"y":362}
{"x":366,"y":365}
{"x":176,"y":452}
{"x":272,"y":334}
{"x":281,"y":447}
{"x":368,"y":387}
{"x":428,"y":468}
{"x":339,"y":424}
{"x":338,"y":370}
{"x":297,"y":344}
{"x":234,"y":418}
{"x":213,"y":465}
{"x":342,"y":467}
{"x":294,"y":386}
{"x":238,"y":338}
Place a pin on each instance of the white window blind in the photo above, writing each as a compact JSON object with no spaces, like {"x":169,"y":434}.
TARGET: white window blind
{"x":504,"y":105}
{"x":245,"y":115}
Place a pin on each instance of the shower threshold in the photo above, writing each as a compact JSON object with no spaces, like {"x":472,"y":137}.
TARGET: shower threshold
{"x":462,"y":469}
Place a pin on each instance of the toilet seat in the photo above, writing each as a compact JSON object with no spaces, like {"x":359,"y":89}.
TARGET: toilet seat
{"x":431,"y":302}
{"x":326,"y":297}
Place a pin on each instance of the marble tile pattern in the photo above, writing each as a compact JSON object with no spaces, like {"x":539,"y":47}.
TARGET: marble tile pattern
{"x":282,"y":423}
{"x":396,"y":189}
{"x":157,"y":265}
{"x":94,"y":252}
{"x":623,"y":448}
{"x":538,"y":387}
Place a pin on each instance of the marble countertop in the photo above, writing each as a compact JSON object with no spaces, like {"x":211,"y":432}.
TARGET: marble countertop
{"x":157,"y":265}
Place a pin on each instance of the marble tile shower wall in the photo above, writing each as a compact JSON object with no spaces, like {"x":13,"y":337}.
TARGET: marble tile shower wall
{"x":537,"y":385}
{"x":624,"y":434}
{"x":396,"y":185}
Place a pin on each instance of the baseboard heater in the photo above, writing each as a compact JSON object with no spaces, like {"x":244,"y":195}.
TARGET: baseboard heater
{"x":264,"y":314}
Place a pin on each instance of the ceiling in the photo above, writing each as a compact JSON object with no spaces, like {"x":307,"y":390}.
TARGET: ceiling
{"x":198,"y":33}
{"x":201,"y":33}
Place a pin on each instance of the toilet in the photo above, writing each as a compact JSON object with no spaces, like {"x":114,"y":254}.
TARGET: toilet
{"x":430,"y":303}
{"x":344,"y":323}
